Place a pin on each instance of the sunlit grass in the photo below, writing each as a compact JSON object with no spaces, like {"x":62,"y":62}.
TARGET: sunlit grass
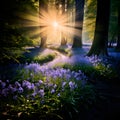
{"x":38,"y":58}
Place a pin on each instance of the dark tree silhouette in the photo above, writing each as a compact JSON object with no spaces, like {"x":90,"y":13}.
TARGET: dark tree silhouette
{"x":79,"y":13}
{"x":99,"y":45}
{"x":118,"y":40}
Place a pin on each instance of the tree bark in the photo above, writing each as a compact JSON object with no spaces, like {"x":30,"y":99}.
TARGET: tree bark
{"x":79,"y":13}
{"x":99,"y":45}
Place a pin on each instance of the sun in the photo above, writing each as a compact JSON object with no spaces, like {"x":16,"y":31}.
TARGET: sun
{"x":55,"y":24}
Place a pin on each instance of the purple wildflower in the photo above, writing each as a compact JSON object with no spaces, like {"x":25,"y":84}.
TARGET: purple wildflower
{"x":58,"y":95}
{"x":63,"y":84}
{"x":20,"y":90}
{"x":12,"y":89}
{"x":5,"y":92}
{"x":41,"y":92}
{"x":52,"y":91}
{"x":40,"y":81}
{"x":3,"y":84}
{"x":72,"y":85}
{"x":17,"y":84}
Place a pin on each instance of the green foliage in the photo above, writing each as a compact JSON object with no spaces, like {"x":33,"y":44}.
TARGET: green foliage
{"x":107,"y":73}
{"x":12,"y":42}
{"x":94,"y":73}
{"x":37,"y":59}
{"x":12,"y":37}
{"x":88,"y":70}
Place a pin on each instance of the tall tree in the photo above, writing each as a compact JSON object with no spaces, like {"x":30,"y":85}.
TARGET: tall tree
{"x":79,"y":13}
{"x":99,"y":45}
{"x":43,"y":6}
{"x":118,"y":40}
{"x":64,"y":10}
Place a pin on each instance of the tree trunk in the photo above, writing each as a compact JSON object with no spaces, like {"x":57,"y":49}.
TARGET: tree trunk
{"x":99,"y":45}
{"x":79,"y":13}
{"x":42,"y":7}
{"x":118,"y":40}
{"x":63,"y":39}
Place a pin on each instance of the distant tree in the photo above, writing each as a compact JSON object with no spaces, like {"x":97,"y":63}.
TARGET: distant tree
{"x":79,"y":13}
{"x":64,"y":5}
{"x":113,"y":24}
{"x":43,"y":7}
{"x":99,"y":45}
{"x":89,"y":20}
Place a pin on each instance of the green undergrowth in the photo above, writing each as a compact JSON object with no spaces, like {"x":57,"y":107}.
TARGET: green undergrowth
{"x":37,"y":59}
{"x":99,"y":72}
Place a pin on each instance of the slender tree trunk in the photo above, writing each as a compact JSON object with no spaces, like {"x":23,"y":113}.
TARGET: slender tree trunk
{"x":118,"y":40}
{"x":42,"y":7}
{"x":63,"y":39}
{"x":79,"y":13}
{"x":99,"y":45}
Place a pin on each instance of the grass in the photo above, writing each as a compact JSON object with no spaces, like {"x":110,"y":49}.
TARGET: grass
{"x":38,"y":59}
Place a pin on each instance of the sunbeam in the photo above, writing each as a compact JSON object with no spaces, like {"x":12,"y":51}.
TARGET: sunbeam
{"x":51,"y":24}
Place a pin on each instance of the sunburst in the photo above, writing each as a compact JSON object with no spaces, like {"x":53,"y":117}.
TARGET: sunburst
{"x":51,"y":24}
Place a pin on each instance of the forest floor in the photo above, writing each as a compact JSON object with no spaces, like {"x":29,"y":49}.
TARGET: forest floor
{"x":109,"y":108}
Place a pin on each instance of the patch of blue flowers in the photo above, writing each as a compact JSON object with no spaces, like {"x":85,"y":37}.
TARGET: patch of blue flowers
{"x":39,"y":85}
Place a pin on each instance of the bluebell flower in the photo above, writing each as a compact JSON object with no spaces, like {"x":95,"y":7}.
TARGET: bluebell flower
{"x":50,"y":84}
{"x":58,"y":95}
{"x":55,"y":86}
{"x":5,"y":92}
{"x":20,"y":90}
{"x":26,"y":83}
{"x":41,"y":92}
{"x":63,"y":84}
{"x":72,"y":85}
{"x":7,"y":81}
{"x":37,"y":84}
{"x":32,"y":86}
{"x":52,"y":91}
{"x":40,"y":81}
{"x":3,"y":85}
{"x":34,"y":94}
{"x":17,"y":84}
{"x":12,"y":89}
{"x":31,"y":75}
